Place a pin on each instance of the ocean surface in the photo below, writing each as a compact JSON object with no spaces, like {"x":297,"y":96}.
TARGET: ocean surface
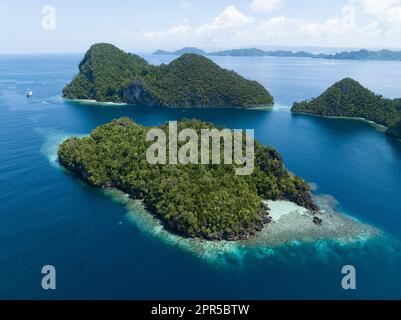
{"x":103,"y":247}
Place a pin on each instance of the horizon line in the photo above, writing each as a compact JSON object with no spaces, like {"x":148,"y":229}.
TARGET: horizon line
{"x":151,"y":51}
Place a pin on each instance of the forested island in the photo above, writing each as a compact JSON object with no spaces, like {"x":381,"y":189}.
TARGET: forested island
{"x":182,"y":51}
{"x":363,"y":54}
{"x":108,"y":74}
{"x":198,"y":201}
{"x":395,"y":130}
{"x":348,"y":98}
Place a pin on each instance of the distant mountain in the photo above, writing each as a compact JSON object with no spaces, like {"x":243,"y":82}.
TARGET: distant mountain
{"x":254,"y":52}
{"x":108,"y":74}
{"x":348,"y":98}
{"x":366,"y":55}
{"x":181,"y":51}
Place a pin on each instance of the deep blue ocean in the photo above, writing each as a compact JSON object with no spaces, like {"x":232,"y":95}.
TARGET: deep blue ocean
{"x":48,"y":217}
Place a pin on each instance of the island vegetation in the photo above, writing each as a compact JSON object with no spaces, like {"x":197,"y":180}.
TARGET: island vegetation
{"x":363,"y":54}
{"x":348,"y":98}
{"x":181,"y":51}
{"x":395,"y":130}
{"x":205,"y":201}
{"x":108,"y":74}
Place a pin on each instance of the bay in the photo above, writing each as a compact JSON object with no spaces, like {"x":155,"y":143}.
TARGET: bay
{"x":100,"y":251}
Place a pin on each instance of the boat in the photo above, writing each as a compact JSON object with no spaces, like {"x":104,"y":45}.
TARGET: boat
{"x":29,"y":93}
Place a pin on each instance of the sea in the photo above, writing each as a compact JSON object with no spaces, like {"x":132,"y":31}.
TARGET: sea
{"x":104,"y":246}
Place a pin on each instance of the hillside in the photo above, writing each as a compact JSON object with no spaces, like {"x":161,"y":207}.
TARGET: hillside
{"x":206,"y":201}
{"x":395,"y":130}
{"x":108,"y":74}
{"x":348,"y":98}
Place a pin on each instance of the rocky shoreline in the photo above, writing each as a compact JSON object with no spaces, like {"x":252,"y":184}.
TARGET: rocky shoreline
{"x":266,"y":215}
{"x":295,"y":223}
{"x":246,"y":234}
{"x":283,"y":221}
{"x":291,"y":226}
{"x":260,"y":107}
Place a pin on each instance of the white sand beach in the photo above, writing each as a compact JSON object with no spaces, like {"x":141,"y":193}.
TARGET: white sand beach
{"x":280,"y":208}
{"x":291,"y":222}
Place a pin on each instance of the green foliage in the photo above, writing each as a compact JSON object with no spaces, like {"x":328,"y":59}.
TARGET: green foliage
{"x":195,"y":81}
{"x":104,"y":72}
{"x":207,"y":201}
{"x":350,"y":99}
{"x":109,"y":74}
{"x":254,"y":52}
{"x":395,"y":130}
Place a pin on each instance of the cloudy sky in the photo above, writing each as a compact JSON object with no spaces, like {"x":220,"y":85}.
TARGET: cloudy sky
{"x":72,"y":26}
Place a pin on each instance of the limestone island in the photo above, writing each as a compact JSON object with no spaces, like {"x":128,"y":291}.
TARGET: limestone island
{"x":193,"y":200}
{"x":108,"y":74}
{"x":348,"y":98}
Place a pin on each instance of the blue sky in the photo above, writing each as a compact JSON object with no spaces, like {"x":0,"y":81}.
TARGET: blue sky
{"x":148,"y":25}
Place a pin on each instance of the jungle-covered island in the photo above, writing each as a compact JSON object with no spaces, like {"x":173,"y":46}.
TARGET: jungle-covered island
{"x":108,"y":74}
{"x":363,"y":54}
{"x":197,"y":201}
{"x":348,"y":98}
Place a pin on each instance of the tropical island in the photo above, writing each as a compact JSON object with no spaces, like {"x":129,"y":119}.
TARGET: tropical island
{"x":363,"y":54}
{"x":108,"y":74}
{"x":196,"y":201}
{"x":348,"y":98}
{"x":182,"y":51}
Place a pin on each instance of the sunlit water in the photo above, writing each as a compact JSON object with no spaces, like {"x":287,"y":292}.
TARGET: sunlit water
{"x":105,"y":246}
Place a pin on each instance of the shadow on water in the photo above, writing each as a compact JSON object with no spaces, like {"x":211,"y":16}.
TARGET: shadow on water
{"x":341,"y":127}
{"x":395,"y":146}
{"x":228,"y":117}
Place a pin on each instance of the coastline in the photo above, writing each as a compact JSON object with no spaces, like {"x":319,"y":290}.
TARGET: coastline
{"x":292,"y":225}
{"x":124,"y":104}
{"x":375,"y":125}
{"x":95,"y":102}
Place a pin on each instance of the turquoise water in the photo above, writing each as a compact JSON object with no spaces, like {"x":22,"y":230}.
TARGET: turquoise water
{"x":103,"y":246}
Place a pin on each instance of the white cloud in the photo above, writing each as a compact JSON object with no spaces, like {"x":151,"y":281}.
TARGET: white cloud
{"x":377,"y":7}
{"x":387,"y":14}
{"x":394,"y":15}
{"x":336,"y":31}
{"x":181,"y":32}
{"x":276,"y":28}
{"x":334,"y":28}
{"x":229,"y":18}
{"x":222,"y":29}
{"x":265,"y":5}
{"x":233,"y":28}
{"x":228,"y":27}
